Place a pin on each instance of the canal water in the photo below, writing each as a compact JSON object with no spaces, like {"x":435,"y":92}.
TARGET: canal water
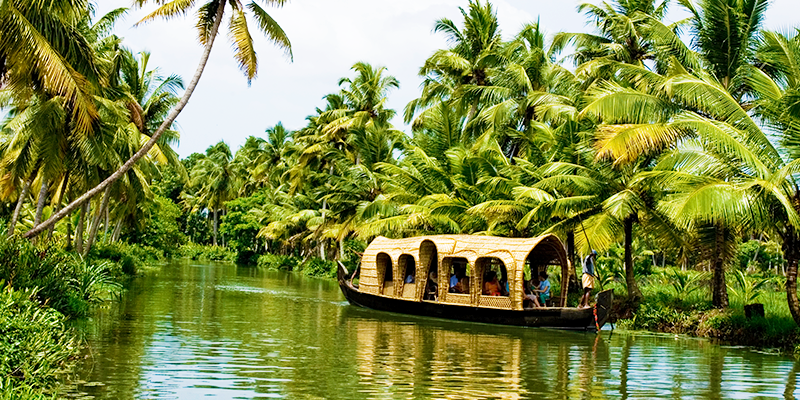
{"x":191,"y":331}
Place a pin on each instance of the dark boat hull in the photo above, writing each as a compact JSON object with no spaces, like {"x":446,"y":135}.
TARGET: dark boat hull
{"x":551,"y":317}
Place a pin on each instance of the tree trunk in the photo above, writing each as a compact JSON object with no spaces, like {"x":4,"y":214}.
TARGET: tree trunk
{"x":26,"y":187}
{"x":150,"y":143}
{"x":96,"y":223}
{"x":117,"y":230}
{"x":214,"y":227}
{"x":105,"y":225}
{"x":573,"y":266}
{"x":719,"y":298}
{"x":68,"y":244}
{"x":79,"y":228}
{"x":630,"y":278}
{"x":791,"y":251}
{"x":57,"y":206}
{"x":40,"y":202}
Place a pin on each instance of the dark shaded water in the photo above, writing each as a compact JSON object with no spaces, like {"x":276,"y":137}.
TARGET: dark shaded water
{"x":191,"y":331}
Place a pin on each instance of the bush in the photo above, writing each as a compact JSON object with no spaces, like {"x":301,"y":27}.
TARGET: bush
{"x":62,"y":280}
{"x":207,"y":253}
{"x":318,"y":267}
{"x":159,"y":227}
{"x":277,"y":262}
{"x":129,"y":257}
{"x":35,"y":344}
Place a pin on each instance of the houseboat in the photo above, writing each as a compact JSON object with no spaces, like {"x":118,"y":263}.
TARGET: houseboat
{"x":413,"y":276}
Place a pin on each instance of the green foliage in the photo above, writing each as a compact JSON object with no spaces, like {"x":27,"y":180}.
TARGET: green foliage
{"x":277,"y":262}
{"x":684,"y":282}
{"x":240,"y":225}
{"x":35,"y":344}
{"x":755,"y":255}
{"x":207,"y":253}
{"x":160,"y":229}
{"x":62,"y":280}
{"x":746,"y":289}
{"x":129,"y":257}
{"x":318,"y":267}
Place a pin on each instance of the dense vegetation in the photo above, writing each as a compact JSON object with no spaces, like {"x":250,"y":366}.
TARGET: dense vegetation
{"x":672,"y":148}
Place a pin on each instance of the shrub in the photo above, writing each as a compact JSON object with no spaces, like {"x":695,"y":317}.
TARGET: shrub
{"x":207,"y":253}
{"x":129,"y":257}
{"x":35,"y":344}
{"x":277,"y":262}
{"x":59,"y":279}
{"x":319,"y":268}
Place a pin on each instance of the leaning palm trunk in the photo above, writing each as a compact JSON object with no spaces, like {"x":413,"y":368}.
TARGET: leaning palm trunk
{"x":58,"y":205}
{"x":96,"y":223}
{"x":150,"y":143}
{"x":630,"y":277}
{"x":40,"y":203}
{"x":22,"y":195}
{"x":117,"y":231}
{"x":79,"y":228}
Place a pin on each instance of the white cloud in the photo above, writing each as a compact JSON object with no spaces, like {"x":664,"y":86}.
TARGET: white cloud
{"x":328,"y":37}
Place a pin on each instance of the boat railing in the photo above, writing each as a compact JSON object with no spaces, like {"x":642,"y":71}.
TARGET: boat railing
{"x":409,"y":291}
{"x":458,"y":298}
{"x":495,"y":301}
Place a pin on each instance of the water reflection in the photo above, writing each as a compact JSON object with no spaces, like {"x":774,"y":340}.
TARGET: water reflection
{"x":197,"y":330}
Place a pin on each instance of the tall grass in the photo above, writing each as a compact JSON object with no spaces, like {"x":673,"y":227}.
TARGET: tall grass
{"x":35,"y":344}
{"x":680,"y":302}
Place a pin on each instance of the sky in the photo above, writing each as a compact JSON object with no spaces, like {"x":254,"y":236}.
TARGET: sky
{"x":327,"y":38}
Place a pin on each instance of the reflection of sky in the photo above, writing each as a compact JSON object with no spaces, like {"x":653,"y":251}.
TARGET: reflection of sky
{"x":186,"y":367}
{"x":228,"y":332}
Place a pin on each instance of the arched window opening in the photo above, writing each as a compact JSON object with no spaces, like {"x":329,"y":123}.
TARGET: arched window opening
{"x":429,"y":262}
{"x":495,"y":277}
{"x":458,"y":275}
{"x":409,"y":266}
{"x":545,"y":255}
{"x":385,"y":273}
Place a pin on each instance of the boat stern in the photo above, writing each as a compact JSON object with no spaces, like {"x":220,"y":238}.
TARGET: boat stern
{"x":602,"y":307}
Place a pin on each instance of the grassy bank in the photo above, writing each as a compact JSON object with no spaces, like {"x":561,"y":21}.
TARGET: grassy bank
{"x":679,"y":302}
{"x":42,"y":287}
{"x":311,"y":266}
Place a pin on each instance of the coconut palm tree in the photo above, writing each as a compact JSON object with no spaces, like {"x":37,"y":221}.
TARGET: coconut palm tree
{"x":469,"y":61}
{"x":210,"y":16}
{"x":216,"y":180}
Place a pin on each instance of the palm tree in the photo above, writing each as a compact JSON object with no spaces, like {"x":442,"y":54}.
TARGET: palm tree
{"x":210,"y":17}
{"x":216,"y":180}
{"x":468,"y":63}
{"x":43,"y":52}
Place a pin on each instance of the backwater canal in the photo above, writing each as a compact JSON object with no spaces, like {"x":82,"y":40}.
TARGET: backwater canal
{"x":192,"y":330}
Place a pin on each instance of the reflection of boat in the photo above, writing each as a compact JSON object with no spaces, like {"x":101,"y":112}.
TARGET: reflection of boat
{"x":391,"y":269}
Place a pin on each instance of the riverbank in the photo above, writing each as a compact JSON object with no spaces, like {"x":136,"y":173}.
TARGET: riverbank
{"x":310,"y":266}
{"x":42,"y":288}
{"x":673,"y":305}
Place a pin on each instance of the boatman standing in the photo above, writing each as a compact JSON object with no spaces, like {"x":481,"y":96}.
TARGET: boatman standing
{"x":588,"y":278}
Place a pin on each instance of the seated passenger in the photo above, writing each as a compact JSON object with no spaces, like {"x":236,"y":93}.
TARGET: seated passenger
{"x":542,"y":293}
{"x":462,"y":286}
{"x":491,"y":286}
{"x":410,"y":278}
{"x":431,"y":287}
